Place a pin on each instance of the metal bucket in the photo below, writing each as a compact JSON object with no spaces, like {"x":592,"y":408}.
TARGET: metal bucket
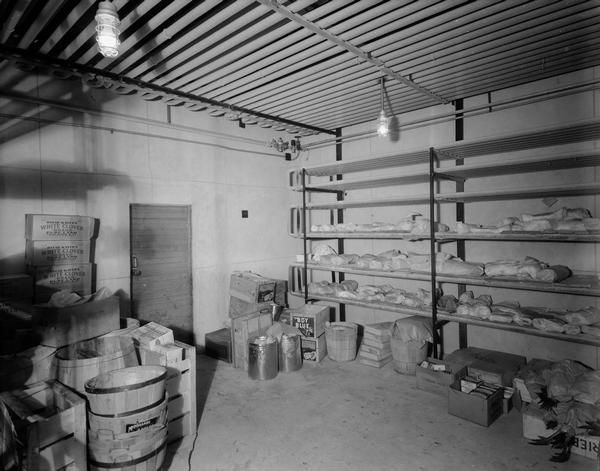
{"x":290,"y":353}
{"x":262,"y":358}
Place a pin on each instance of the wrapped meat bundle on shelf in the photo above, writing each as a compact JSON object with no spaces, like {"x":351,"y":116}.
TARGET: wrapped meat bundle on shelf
{"x":528,"y":269}
{"x":563,"y":220}
{"x":587,"y":316}
{"x":412,"y":224}
{"x":349,"y":289}
{"x":445,"y":264}
{"x":470,"y":306}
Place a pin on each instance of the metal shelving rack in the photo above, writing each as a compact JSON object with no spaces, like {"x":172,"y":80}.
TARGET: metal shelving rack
{"x":579,"y":284}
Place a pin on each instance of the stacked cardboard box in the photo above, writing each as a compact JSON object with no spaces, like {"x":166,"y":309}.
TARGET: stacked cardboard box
{"x":59,"y":253}
{"x":375,"y":348}
{"x":311,"y":320}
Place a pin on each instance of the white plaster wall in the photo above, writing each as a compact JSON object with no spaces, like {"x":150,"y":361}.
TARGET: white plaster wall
{"x":57,"y":167}
{"x":580,"y":257}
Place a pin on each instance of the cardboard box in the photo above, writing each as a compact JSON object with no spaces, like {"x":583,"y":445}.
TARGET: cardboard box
{"x":586,"y":445}
{"x":80,"y":279}
{"x":313,"y":349}
{"x":434,"y":381}
{"x":534,"y":428}
{"x":310,"y":319}
{"x":217,"y":344}
{"x":51,"y":421}
{"x":251,"y":287}
{"x":482,"y":411}
{"x":58,"y":252}
{"x":16,"y":286}
{"x":490,"y":364}
{"x":152,"y":334}
{"x":60,"y":227}
{"x":60,"y":326}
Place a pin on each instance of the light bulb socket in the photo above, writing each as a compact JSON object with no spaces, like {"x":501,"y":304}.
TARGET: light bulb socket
{"x":383,"y":124}
{"x":107,"y":31}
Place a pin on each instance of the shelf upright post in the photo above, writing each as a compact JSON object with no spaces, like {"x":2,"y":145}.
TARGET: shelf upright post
{"x":459,"y":135}
{"x":340,"y":217}
{"x":304,"y":240}
{"x":434,"y":321}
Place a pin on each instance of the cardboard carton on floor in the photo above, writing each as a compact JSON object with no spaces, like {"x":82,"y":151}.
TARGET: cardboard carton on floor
{"x":489,"y":365}
{"x":534,"y":427}
{"x":480,"y":410}
{"x":313,"y":349}
{"x":437,"y":376}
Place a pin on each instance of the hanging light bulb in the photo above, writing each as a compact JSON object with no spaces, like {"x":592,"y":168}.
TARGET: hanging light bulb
{"x":383,"y":122}
{"x":107,"y":33}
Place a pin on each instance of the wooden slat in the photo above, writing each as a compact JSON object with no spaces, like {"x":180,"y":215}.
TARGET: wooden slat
{"x":578,"y":283}
{"x":584,"y":339}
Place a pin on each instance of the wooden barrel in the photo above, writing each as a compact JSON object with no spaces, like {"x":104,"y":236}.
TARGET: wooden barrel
{"x":126,"y":390}
{"x":79,"y":362}
{"x":141,"y":451}
{"x":118,"y":426}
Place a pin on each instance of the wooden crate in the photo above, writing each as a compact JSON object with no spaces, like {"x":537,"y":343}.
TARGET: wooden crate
{"x":181,"y":387}
{"x":58,"y":252}
{"x":50,"y":420}
{"x":246,"y":328}
{"x":251,"y":287}
{"x":48,"y":279}
{"x":60,"y":227}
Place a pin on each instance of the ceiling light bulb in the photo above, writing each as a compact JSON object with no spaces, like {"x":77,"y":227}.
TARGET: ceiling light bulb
{"x":107,"y":33}
{"x":383,"y":124}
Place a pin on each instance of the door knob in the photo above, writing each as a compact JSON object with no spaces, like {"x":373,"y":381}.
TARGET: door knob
{"x":135,"y":271}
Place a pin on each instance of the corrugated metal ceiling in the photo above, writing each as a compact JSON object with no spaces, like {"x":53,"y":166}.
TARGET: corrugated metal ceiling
{"x":306,"y":66}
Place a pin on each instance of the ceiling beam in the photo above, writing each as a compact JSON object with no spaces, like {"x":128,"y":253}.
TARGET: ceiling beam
{"x":34,"y":59}
{"x":275,"y":6}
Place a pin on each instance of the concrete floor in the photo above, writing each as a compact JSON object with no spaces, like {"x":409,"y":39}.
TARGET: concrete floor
{"x":344,"y":416}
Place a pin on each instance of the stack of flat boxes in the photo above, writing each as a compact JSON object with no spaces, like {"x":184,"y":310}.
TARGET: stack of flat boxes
{"x":59,"y":253}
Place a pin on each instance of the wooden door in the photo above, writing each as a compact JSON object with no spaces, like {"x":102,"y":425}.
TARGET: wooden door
{"x":161,"y":267}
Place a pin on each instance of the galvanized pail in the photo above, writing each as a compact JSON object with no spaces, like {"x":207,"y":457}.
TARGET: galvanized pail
{"x":290,"y":353}
{"x":262,"y":358}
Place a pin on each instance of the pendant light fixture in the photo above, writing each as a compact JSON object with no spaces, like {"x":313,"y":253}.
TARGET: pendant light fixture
{"x":383,"y":122}
{"x":107,"y":31}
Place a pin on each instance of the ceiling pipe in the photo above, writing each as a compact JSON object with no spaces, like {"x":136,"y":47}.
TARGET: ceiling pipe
{"x":472,"y":111}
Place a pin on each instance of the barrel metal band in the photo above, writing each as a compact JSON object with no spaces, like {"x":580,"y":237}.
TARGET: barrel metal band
{"x":129,"y":387}
{"x":122,"y":464}
{"x":133,"y":412}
